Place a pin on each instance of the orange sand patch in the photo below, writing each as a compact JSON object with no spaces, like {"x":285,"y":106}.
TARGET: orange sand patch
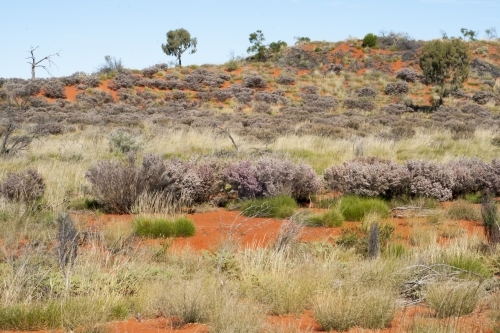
{"x":104,"y":87}
{"x":71,"y":93}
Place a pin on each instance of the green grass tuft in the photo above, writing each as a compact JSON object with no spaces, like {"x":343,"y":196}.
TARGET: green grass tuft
{"x":331,"y":218}
{"x":280,"y":207}
{"x":354,"y":208}
{"x":163,"y":228}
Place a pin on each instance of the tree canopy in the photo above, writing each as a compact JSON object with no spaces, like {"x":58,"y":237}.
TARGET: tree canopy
{"x":178,"y":41}
{"x":445,"y":63}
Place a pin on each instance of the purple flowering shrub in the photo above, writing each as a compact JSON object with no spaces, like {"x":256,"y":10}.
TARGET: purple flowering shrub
{"x":428,"y":179}
{"x":368,"y":177}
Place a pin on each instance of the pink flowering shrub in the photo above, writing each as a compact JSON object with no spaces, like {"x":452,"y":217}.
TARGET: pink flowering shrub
{"x":428,"y":179}
{"x":368,"y":177}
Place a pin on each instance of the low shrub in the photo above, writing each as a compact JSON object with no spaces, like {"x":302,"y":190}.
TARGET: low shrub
{"x":397,"y":88}
{"x":365,"y":104}
{"x":408,"y":74}
{"x":396,"y":109}
{"x":123,"y":142}
{"x":24,"y":186}
{"x":54,"y":89}
{"x":123,"y":80}
{"x":370,"y":40}
{"x":280,"y":207}
{"x":254,"y":81}
{"x":115,"y":185}
{"x":318,"y":103}
{"x":355,"y":208}
{"x":367,"y":92}
{"x":163,"y":228}
{"x":285,"y":79}
{"x":453,"y":299}
{"x":483,"y":97}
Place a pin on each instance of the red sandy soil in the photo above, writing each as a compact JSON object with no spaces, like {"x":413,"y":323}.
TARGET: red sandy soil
{"x":474,"y":323}
{"x":216,"y":226}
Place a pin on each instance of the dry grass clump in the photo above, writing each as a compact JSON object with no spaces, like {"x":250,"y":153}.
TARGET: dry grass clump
{"x":462,"y":210}
{"x":187,"y":300}
{"x":349,"y":306}
{"x":450,"y":298}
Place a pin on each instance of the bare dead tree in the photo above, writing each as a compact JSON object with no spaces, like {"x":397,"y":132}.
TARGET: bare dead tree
{"x":34,"y":64}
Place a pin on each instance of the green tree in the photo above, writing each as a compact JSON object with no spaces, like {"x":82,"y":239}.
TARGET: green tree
{"x":370,"y":40}
{"x":445,"y":63}
{"x":258,"y":47}
{"x":276,"y":47}
{"x":178,"y":41}
{"x":470,"y":34}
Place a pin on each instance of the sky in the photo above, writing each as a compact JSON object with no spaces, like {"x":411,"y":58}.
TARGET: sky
{"x":83,"y":32}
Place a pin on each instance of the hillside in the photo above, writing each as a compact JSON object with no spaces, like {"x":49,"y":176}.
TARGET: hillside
{"x":332,"y":89}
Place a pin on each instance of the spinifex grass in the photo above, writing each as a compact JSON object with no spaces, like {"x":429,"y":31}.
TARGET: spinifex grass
{"x":158,"y":227}
{"x":278,"y":207}
{"x":354,"y":208}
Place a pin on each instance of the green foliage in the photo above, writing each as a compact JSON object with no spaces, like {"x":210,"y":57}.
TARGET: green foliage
{"x":84,"y":204}
{"x":276,"y":47}
{"x":470,"y":34}
{"x":370,"y":40}
{"x":395,"y":250}
{"x":74,"y":313}
{"x":123,"y":142}
{"x":473,"y":198}
{"x":34,"y":317}
{"x":281,"y":207}
{"x":178,"y":41}
{"x":302,"y":40}
{"x":163,"y":228}
{"x":354,"y":208}
{"x":332,"y":218}
{"x":445,"y":63}
{"x":469,"y":262}
{"x":257,"y":39}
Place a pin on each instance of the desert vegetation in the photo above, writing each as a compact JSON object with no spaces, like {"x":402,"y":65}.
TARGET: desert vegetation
{"x":323,"y":186}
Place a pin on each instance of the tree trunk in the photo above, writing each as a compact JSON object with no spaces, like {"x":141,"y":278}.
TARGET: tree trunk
{"x":33,"y":71}
{"x":179,"y":58}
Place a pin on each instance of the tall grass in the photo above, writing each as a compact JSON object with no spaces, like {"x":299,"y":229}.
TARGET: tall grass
{"x":451,"y":298}
{"x":462,"y":210}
